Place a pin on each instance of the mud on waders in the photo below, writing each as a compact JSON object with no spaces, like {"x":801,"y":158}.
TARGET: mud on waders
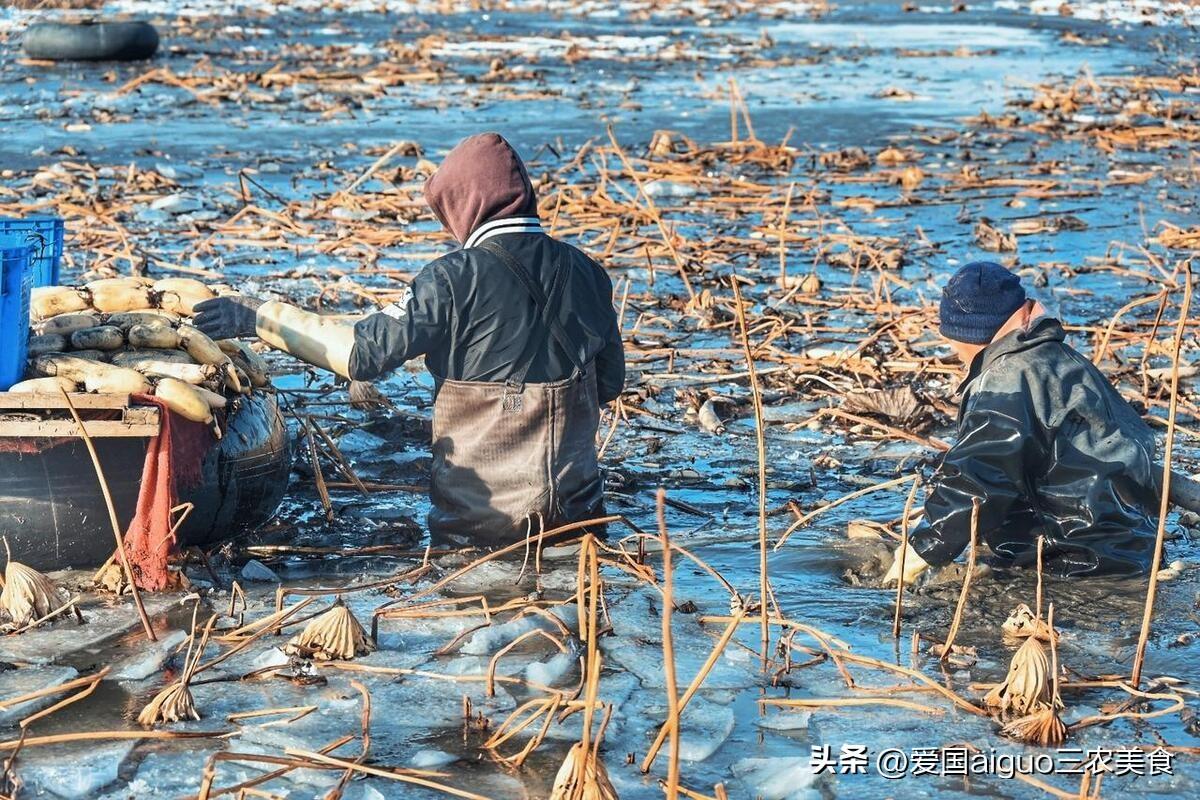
{"x":505,"y":452}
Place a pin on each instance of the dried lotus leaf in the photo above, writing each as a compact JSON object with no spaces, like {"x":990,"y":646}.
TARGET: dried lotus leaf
{"x":899,"y":404}
{"x":1023,"y":623}
{"x":28,"y":594}
{"x":1044,"y":728}
{"x":172,"y":704}
{"x":595,"y":782}
{"x":1026,"y":688}
{"x":334,"y":636}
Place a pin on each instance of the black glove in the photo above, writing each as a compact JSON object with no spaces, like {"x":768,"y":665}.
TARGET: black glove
{"x":227,"y":317}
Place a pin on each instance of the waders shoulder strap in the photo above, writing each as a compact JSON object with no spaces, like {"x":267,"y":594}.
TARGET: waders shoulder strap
{"x":546,"y":307}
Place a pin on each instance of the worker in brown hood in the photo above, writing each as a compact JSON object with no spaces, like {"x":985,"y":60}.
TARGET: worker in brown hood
{"x":519,"y":333}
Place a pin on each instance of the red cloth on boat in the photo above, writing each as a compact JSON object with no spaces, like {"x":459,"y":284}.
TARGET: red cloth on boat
{"x":173,"y":462}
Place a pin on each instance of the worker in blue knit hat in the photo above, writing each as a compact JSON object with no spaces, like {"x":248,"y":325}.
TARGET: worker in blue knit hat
{"x":1046,"y":446}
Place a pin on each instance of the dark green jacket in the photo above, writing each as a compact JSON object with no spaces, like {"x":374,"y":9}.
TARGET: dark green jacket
{"x":1048,"y":446}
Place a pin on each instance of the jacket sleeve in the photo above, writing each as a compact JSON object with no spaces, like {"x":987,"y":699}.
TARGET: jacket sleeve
{"x":987,"y":462}
{"x":610,"y":361}
{"x":406,"y":329}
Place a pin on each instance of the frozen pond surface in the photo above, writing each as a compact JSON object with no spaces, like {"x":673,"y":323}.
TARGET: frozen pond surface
{"x":277,"y":105}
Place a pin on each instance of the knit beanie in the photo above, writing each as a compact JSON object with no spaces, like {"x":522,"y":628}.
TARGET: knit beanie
{"x":977,"y":302}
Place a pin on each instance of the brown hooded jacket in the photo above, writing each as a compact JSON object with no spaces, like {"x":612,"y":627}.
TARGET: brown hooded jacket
{"x":481,"y":180}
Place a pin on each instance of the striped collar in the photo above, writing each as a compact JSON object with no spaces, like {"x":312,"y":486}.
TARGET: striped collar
{"x":499,"y":226}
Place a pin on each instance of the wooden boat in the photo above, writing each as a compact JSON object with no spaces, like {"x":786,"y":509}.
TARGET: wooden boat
{"x":52,"y":509}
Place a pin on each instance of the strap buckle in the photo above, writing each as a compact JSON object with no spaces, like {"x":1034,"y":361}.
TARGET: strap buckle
{"x":514,"y":398}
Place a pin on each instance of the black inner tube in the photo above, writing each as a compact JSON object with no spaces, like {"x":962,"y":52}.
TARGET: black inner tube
{"x":90,"y":41}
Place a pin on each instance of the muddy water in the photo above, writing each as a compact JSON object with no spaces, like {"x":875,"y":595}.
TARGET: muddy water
{"x":820,"y":77}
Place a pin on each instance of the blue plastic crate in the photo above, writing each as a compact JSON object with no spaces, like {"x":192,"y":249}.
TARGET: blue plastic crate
{"x":46,"y":234}
{"x":16,"y":281}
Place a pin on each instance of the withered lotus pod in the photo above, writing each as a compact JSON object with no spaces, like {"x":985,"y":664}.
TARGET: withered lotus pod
{"x":1043,"y":728}
{"x":334,"y":636}
{"x":28,"y":594}
{"x":596,"y":785}
{"x":1026,"y":688}
{"x":172,"y":704}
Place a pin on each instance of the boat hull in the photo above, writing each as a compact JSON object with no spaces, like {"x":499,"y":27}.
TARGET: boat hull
{"x":53,"y":512}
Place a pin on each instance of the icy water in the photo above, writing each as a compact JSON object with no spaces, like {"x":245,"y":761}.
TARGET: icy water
{"x":167,"y":163}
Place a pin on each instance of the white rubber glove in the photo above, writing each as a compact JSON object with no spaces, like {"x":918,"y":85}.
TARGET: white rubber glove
{"x":323,"y":341}
{"x":914,"y":565}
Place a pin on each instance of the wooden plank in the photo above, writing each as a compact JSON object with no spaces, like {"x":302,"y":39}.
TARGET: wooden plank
{"x":141,"y":415}
{"x":55,"y":428}
{"x":8,"y":400}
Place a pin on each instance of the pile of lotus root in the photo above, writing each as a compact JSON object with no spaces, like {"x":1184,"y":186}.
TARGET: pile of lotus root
{"x":132,"y":336}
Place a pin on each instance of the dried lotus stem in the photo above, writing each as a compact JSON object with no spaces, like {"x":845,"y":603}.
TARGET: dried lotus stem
{"x":1037,"y":603}
{"x":112,"y":517}
{"x":948,"y":647}
{"x":901,"y":552}
{"x":1168,"y":446}
{"x":334,"y":636}
{"x":764,"y":583}
{"x":672,"y":724}
{"x":705,"y":668}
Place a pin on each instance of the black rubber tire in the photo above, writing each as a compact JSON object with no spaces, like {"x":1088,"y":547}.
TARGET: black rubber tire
{"x":90,"y":41}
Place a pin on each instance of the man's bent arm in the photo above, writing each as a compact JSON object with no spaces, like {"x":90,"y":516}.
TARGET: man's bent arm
{"x":988,"y":463}
{"x":366,"y":348}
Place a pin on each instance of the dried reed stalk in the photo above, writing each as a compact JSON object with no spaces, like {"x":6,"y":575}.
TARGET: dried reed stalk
{"x":365,"y":736}
{"x":668,"y":235}
{"x":1037,"y":600}
{"x":512,"y":548}
{"x":929,"y":682}
{"x":390,"y":774}
{"x":901,"y":553}
{"x":693,"y":687}
{"x":70,"y":685}
{"x":207,"y":792}
{"x":1165,"y":502}
{"x":837,"y":702}
{"x":764,"y":582}
{"x":101,"y":736}
{"x":112,"y":518}
{"x":494,"y":661}
{"x":947,"y":648}
{"x":1177,"y":704}
{"x":93,"y":681}
{"x":672,"y":723}
{"x":1102,"y":346}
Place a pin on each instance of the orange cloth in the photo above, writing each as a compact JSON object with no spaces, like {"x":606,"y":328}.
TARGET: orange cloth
{"x":173,"y":462}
